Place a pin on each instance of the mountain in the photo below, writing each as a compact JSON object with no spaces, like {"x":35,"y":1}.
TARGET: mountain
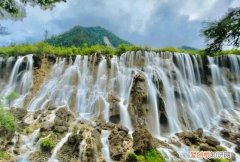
{"x":81,"y":36}
{"x":188,"y":48}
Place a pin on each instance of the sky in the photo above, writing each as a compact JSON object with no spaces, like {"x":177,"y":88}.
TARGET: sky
{"x":156,"y":23}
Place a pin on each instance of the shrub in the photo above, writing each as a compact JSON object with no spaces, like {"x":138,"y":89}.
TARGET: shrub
{"x":7,"y":121}
{"x":154,"y":156}
{"x":149,"y":156}
{"x":46,"y":144}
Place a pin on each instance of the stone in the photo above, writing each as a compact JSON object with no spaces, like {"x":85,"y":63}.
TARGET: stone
{"x":60,"y":129}
{"x":206,"y":147}
{"x":225,"y":133}
{"x":224,"y":121}
{"x":212,"y":141}
{"x":142,"y":140}
{"x":59,"y":122}
{"x":220,"y":148}
{"x":199,"y":132}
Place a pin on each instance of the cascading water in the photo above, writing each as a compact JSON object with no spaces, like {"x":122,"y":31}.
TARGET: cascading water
{"x":105,"y":149}
{"x":20,"y":81}
{"x":181,"y":93}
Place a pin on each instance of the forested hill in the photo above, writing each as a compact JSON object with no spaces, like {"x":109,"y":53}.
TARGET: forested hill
{"x":86,"y":36}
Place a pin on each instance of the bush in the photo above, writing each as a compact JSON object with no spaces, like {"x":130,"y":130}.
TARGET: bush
{"x":46,"y":144}
{"x":7,"y":121}
{"x":149,"y":156}
{"x":154,"y":156}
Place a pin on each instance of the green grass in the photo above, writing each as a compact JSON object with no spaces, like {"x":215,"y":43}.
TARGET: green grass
{"x":7,"y":121}
{"x":46,"y":144}
{"x":148,"y":156}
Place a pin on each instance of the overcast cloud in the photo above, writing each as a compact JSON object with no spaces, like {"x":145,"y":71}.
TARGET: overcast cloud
{"x":144,"y":22}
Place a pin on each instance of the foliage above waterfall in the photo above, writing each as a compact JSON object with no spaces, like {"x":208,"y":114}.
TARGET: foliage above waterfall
{"x":85,"y":36}
{"x":44,"y":48}
{"x":226,"y":30}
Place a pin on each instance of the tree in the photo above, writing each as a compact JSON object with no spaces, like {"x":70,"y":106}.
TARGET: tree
{"x":15,"y":9}
{"x":225,"y":31}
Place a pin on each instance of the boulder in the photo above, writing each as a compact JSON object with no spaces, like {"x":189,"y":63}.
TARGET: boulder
{"x":225,"y":133}
{"x":60,"y":129}
{"x":117,"y":143}
{"x":212,"y":141}
{"x":206,"y":147}
{"x":142,"y":140}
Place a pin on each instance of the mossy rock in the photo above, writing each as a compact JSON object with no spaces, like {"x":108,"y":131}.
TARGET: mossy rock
{"x":148,"y":156}
{"x":154,"y":156}
{"x":46,"y":144}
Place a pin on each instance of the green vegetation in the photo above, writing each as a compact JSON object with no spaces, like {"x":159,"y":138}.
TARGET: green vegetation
{"x":153,"y":156}
{"x":223,"y":31}
{"x":8,"y":123}
{"x":149,"y":156}
{"x":45,"y":49}
{"x":80,"y":36}
{"x":4,"y":155}
{"x":46,"y":144}
{"x":221,"y":160}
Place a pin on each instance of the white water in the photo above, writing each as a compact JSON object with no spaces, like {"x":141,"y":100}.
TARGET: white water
{"x":28,"y":145}
{"x":20,"y":82}
{"x":84,"y":87}
{"x":105,"y":149}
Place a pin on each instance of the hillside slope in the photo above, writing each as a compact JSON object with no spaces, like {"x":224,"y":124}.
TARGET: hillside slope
{"x":81,"y":36}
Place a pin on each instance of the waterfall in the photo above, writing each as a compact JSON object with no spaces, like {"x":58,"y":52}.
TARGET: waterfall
{"x":105,"y":149}
{"x":20,"y":80}
{"x":188,"y":103}
{"x":28,"y":145}
{"x":183,"y":92}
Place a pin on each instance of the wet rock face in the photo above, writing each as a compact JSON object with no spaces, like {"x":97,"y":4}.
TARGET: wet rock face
{"x":61,"y":122}
{"x":84,"y":144}
{"x":114,"y":108}
{"x":118,"y":140}
{"x":142,"y":140}
{"x":39,"y":156}
{"x":198,"y":141}
{"x":138,"y":107}
{"x":212,"y":141}
{"x":70,"y":150}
